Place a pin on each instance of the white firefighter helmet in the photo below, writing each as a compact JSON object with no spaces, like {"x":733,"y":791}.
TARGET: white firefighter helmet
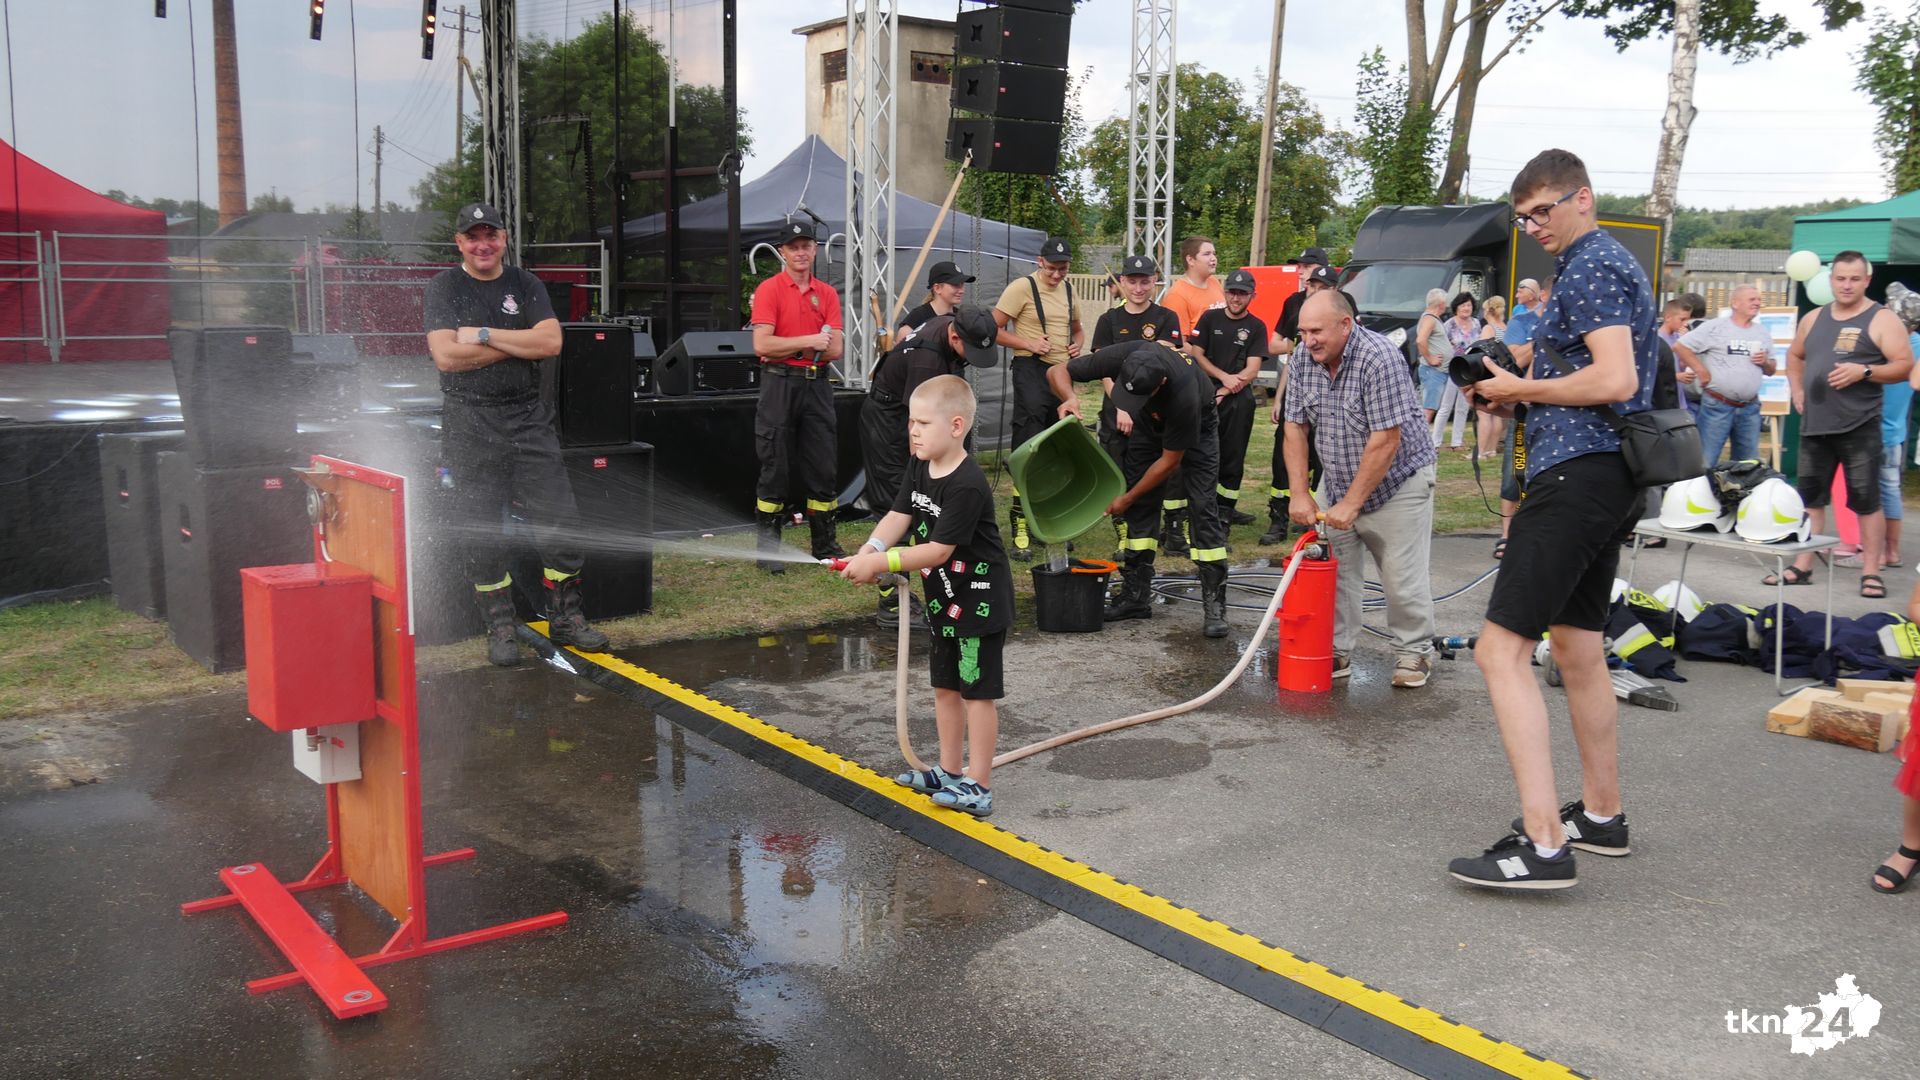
{"x":1691,"y":504}
{"x":1680,"y":598}
{"x":1773,"y":512}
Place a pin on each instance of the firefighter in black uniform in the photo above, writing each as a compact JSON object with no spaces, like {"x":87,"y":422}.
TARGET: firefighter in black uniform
{"x":489,"y":325}
{"x":942,"y":345}
{"x":1230,"y":342}
{"x":1138,"y":318}
{"x":1286,"y":338}
{"x":1166,"y":402}
{"x":796,"y":334}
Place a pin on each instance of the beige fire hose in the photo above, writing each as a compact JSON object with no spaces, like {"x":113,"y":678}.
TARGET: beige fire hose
{"x":1300,"y":550}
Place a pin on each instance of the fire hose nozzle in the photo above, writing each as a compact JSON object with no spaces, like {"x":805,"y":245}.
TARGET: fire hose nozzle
{"x":834,"y":564}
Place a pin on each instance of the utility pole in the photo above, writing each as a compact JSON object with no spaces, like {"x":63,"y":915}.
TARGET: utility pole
{"x":1263,"y":188}
{"x":379,"y":144}
{"x":459,"y":90}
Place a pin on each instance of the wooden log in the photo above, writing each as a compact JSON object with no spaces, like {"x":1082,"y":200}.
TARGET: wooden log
{"x":1888,"y":702}
{"x":1790,"y":716}
{"x":1858,"y":689}
{"x":1853,"y":723}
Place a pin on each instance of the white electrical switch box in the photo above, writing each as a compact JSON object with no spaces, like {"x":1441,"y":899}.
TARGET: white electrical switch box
{"x":331,"y":755}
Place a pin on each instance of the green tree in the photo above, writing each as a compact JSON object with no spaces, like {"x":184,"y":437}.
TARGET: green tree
{"x":1217,"y":165}
{"x":1397,"y":149}
{"x":1890,"y":77}
{"x":270,"y":203}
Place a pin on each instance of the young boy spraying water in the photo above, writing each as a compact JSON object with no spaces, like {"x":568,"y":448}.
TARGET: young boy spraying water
{"x":946,"y":506}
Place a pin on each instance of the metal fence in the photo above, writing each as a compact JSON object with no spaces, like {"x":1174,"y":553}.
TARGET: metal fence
{"x":370,"y":290}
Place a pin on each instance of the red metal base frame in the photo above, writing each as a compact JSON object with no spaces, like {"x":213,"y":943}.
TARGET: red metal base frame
{"x":318,"y":961}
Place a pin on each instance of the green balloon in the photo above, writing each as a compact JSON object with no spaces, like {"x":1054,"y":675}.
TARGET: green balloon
{"x":1819,"y":288}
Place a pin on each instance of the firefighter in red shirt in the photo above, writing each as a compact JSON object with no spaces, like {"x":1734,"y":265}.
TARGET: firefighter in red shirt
{"x":796,"y":334}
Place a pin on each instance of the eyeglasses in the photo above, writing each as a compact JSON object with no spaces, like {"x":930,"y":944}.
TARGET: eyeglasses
{"x":1543,"y":215}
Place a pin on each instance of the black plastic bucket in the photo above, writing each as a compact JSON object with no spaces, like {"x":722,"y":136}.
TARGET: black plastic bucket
{"x":1070,"y":601}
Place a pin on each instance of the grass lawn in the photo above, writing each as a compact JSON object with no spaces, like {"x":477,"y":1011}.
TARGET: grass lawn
{"x":87,"y":655}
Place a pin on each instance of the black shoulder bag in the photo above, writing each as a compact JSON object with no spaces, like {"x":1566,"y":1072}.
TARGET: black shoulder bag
{"x":1661,"y":446}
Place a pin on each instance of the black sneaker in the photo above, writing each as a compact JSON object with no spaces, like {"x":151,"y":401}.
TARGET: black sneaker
{"x":1609,"y":838}
{"x":1511,"y":864}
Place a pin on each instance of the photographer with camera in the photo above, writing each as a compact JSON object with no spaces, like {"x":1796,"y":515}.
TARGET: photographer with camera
{"x":1593,"y":355}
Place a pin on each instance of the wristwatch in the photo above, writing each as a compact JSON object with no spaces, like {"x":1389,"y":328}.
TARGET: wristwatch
{"x":486,"y":334}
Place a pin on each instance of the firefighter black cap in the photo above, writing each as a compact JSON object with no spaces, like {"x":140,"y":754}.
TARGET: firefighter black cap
{"x":1056,"y":249}
{"x":1141,"y":373}
{"x":1313,"y":256}
{"x":1324,"y":275}
{"x":1239,"y":281}
{"x":791,"y":231}
{"x":979,"y":333}
{"x":946,"y":273}
{"x":475,"y":214}
{"x":1139,"y":264}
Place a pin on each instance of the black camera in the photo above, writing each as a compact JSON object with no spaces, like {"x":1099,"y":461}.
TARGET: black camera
{"x":1466,"y":369}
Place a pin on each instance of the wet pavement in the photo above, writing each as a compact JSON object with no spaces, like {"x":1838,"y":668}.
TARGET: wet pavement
{"x":726,"y":922}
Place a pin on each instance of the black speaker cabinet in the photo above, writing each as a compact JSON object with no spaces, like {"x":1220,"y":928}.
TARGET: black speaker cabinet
{"x":130,"y":489}
{"x":644,"y":357}
{"x":326,"y":376}
{"x":1007,"y":146}
{"x":1016,"y":91}
{"x":591,"y":384}
{"x":708,"y":363}
{"x":613,"y":487}
{"x":214,"y":523}
{"x":1016,"y":35}
{"x":238,"y":393}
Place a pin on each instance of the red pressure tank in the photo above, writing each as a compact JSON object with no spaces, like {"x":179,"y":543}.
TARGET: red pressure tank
{"x":1304,"y":660}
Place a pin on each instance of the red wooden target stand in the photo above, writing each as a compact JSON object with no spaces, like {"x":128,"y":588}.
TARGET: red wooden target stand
{"x":311,"y":666}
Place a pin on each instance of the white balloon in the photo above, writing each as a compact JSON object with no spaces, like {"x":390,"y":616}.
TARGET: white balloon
{"x":1820,"y":288}
{"x":1802,"y":265}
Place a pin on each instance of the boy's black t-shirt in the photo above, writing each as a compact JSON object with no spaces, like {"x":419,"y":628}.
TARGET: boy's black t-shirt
{"x":1174,"y":412}
{"x":1228,"y":341}
{"x":1120,"y":326}
{"x":516,"y":300}
{"x":971,"y":594}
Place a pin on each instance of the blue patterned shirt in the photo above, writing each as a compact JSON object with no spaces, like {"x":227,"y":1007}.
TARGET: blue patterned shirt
{"x":1372,"y":393}
{"x":1597,"y":284}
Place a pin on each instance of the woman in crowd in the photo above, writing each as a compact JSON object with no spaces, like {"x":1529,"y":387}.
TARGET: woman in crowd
{"x":1462,"y":330}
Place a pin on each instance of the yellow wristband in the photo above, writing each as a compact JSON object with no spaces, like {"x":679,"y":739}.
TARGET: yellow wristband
{"x":893,"y":560}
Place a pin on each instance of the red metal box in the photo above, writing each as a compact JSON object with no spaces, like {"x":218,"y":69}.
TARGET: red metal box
{"x":309,"y":633}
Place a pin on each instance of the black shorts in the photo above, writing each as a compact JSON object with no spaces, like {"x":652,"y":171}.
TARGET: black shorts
{"x":1857,"y":452}
{"x":1564,"y":548}
{"x":970,"y":665}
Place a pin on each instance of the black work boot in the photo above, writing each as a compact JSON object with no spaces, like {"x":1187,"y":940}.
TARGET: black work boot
{"x":1213,"y":598}
{"x":496,"y":607}
{"x":1017,"y":527}
{"x":890,"y":605}
{"x":1277,"y":523}
{"x":1135,"y":600}
{"x":826,"y":543}
{"x":768,"y":527}
{"x":1231,"y":514}
{"x":1176,"y":542}
{"x":566,"y":625}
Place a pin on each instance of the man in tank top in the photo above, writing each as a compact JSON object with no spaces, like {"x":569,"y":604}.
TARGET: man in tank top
{"x":1840,"y":355}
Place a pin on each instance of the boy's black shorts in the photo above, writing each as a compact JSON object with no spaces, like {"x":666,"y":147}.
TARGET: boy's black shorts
{"x":969,"y":665}
{"x":1564,"y":548}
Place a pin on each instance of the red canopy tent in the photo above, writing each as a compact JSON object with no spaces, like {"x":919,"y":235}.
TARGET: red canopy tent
{"x":113,"y":283}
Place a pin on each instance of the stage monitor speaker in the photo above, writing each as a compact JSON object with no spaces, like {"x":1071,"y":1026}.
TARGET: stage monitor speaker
{"x":1015,"y":91}
{"x":1007,"y":146}
{"x":613,"y":487}
{"x":708,"y":362}
{"x":644,"y":356}
{"x":326,"y":376}
{"x":215,"y":523}
{"x":591,"y":384}
{"x":237,"y":391}
{"x":1016,"y":35}
{"x":130,"y":489}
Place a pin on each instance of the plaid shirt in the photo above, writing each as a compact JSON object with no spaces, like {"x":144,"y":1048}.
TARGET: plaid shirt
{"x":1372,"y":393}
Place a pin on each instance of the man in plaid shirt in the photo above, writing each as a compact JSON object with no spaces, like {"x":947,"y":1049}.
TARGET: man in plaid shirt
{"x":1376,"y":478}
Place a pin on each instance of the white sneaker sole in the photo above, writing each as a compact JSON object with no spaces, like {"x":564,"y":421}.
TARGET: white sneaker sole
{"x":1526,"y":886}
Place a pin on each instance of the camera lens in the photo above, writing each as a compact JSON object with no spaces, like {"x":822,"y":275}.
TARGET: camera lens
{"x":1467,"y":370}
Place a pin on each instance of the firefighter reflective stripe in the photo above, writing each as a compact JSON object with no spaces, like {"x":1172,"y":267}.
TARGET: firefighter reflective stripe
{"x":501,"y":584}
{"x":1634,"y":639}
{"x":559,"y":575}
{"x":1279,"y":493}
{"x":766,"y":507}
{"x":1139,"y":543}
{"x":821,"y":506}
{"x":1224,"y":492}
{"x":1173,"y":504}
{"x":1218,"y":554}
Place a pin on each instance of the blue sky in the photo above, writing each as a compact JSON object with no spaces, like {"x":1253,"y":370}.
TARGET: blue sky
{"x":102,"y":91}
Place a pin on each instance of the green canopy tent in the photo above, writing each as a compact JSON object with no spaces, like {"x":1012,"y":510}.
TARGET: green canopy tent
{"x":1888,"y":234}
